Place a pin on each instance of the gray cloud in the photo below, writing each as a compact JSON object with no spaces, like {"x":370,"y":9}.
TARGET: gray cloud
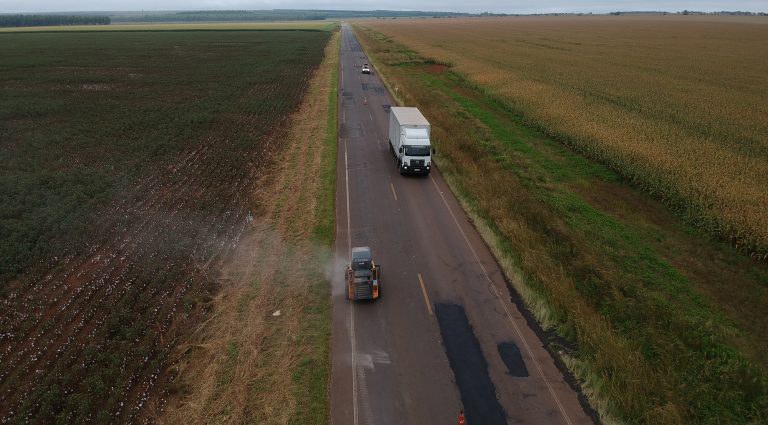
{"x":520,"y":6}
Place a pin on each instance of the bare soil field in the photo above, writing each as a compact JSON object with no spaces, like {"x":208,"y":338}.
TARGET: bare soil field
{"x":659,"y":322}
{"x":676,"y":104}
{"x":132,"y":164}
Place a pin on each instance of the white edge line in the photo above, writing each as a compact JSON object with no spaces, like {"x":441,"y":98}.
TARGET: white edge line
{"x":504,"y":306}
{"x":349,"y":251}
{"x":341,"y":63}
{"x":352,"y":306}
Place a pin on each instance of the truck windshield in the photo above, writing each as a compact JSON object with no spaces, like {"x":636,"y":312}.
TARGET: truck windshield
{"x":417,"y":150}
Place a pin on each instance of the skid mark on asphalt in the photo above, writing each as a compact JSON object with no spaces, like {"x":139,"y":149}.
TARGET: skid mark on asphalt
{"x":369,"y":361}
{"x":354,"y":363}
{"x":362,"y":388}
{"x":364,"y":363}
{"x":478,"y":394}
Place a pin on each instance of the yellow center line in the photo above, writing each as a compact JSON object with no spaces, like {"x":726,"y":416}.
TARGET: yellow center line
{"x":393,"y":191}
{"x":426,"y":297}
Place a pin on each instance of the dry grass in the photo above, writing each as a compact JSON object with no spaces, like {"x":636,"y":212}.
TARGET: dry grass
{"x":677,"y":104}
{"x":246,"y":365}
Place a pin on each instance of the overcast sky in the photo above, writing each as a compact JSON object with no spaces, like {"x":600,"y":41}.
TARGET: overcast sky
{"x":499,"y":6}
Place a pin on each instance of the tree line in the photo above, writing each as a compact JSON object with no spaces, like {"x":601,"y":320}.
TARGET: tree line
{"x":266,"y":15}
{"x":221,"y":16}
{"x":49,"y":20}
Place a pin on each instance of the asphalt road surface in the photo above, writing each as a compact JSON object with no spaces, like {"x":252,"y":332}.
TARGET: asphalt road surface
{"x":444,"y":336}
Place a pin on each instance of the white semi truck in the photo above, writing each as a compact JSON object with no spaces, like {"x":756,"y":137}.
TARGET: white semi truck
{"x":409,"y":140}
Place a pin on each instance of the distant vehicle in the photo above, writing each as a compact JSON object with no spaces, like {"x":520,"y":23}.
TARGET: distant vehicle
{"x":366,"y":69}
{"x":409,"y":140}
{"x":363,"y":276}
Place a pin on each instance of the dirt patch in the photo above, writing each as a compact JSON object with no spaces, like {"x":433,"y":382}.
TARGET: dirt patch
{"x":436,"y":68}
{"x":625,"y":203}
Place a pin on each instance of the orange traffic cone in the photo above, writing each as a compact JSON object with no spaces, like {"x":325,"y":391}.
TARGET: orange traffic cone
{"x":461,"y":418}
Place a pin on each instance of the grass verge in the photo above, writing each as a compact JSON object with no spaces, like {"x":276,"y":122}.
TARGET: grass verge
{"x":638,"y":297}
{"x":263,"y":356}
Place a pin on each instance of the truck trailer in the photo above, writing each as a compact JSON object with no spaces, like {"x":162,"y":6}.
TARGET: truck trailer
{"x":409,"y":140}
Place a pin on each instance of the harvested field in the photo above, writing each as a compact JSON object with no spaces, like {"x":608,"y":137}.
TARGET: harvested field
{"x":659,"y":323}
{"x":130,"y":166}
{"x":675,"y":104}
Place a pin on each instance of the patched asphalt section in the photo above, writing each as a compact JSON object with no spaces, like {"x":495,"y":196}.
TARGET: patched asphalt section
{"x":511,"y":357}
{"x":478,"y":394}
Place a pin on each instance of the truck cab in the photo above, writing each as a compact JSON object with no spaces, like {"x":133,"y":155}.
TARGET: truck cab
{"x":409,"y":140}
{"x":415,"y":151}
{"x":363,"y":276}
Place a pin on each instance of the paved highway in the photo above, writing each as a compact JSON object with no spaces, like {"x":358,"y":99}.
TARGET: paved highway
{"x":445,"y":335}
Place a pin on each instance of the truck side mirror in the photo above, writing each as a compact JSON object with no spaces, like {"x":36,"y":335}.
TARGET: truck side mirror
{"x":433,"y":151}
{"x":400,"y":150}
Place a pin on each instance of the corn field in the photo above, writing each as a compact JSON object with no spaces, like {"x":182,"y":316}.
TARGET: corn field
{"x":676,"y":104}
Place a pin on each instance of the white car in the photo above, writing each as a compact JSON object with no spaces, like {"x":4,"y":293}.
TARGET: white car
{"x":366,"y":69}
